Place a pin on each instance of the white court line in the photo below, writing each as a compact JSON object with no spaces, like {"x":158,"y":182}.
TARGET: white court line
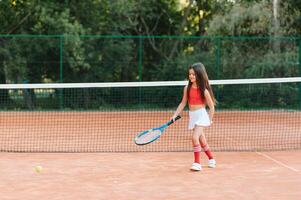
{"x":278,"y":162}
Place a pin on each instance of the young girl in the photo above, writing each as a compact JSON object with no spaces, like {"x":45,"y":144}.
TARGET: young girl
{"x":198,"y":93}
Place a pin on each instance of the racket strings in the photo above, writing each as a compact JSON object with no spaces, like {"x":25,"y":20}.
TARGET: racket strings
{"x":148,"y":137}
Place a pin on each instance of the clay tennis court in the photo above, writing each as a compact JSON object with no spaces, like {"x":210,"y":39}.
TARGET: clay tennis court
{"x":257,"y":153}
{"x":239,"y":175}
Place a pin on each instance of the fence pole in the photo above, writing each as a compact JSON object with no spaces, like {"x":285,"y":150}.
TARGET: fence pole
{"x":218,"y":63}
{"x":61,"y":95}
{"x":140,"y":52}
{"x":299,"y":62}
{"x":140,"y":60}
{"x":61,"y":58}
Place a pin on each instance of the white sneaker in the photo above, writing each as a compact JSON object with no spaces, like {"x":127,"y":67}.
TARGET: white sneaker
{"x":212,"y":163}
{"x":196,"y":167}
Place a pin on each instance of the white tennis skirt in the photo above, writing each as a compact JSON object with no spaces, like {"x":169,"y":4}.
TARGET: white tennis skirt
{"x":198,"y":117}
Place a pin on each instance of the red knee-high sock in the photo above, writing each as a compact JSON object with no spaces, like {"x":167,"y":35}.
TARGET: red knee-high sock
{"x":207,"y":151}
{"x":197,"y":150}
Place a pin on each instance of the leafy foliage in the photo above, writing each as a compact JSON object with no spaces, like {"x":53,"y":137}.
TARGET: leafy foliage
{"x":97,"y":40}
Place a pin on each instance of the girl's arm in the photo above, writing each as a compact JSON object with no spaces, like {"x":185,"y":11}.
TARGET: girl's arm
{"x":210,"y":104}
{"x":182,"y":104}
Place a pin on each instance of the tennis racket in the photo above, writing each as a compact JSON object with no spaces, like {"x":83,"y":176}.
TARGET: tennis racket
{"x":153,"y":134}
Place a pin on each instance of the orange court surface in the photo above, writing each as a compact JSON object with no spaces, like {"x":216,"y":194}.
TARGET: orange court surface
{"x":150,"y":176}
{"x":92,"y":156}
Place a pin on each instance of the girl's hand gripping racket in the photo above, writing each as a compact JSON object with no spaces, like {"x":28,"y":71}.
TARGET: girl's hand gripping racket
{"x":153,"y":134}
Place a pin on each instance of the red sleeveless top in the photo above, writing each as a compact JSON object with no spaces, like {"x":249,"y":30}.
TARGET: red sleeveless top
{"x":195,"y":97}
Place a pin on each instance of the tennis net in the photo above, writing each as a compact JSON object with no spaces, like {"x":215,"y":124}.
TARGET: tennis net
{"x":251,"y":115}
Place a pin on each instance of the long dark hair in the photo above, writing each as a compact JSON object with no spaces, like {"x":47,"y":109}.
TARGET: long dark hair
{"x":202,"y":80}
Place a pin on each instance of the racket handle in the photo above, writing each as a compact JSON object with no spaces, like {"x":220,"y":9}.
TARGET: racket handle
{"x":172,"y":121}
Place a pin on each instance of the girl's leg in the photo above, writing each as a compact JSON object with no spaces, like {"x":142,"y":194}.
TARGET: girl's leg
{"x":198,"y":130}
{"x":205,"y":147}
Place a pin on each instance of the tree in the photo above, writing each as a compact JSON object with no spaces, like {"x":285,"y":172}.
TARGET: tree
{"x":30,"y":59}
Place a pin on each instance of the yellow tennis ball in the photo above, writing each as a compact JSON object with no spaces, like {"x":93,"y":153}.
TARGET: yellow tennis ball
{"x":38,"y":168}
